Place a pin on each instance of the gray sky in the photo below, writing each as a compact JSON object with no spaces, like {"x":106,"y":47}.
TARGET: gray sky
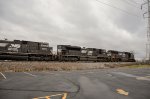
{"x":76,"y":22}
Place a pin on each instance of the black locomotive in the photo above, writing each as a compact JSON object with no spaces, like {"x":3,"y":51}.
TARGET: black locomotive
{"x":40,"y":51}
{"x":25,"y":50}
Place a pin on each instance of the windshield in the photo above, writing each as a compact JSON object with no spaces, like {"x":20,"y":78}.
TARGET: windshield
{"x":90,"y":53}
{"x":84,"y":51}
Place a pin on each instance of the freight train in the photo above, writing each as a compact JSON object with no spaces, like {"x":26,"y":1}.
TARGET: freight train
{"x":41,"y":51}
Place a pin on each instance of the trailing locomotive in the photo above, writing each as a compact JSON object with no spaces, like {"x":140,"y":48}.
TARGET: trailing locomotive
{"x":68,"y":53}
{"x":93,"y":54}
{"x":127,"y":57}
{"x":40,"y":51}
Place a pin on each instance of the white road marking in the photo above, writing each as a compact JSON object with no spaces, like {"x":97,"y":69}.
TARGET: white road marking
{"x":82,"y":73}
{"x":134,"y":76}
{"x":68,"y":72}
{"x":3,"y":75}
{"x":30,"y":74}
{"x":125,"y":74}
{"x":65,"y":72}
{"x":87,"y":73}
{"x":109,"y":74}
{"x":49,"y":73}
{"x":90,"y":72}
{"x":52,"y":73}
{"x":143,"y":78}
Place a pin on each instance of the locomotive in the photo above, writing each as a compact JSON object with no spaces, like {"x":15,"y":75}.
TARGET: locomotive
{"x":25,"y":50}
{"x":41,"y":51}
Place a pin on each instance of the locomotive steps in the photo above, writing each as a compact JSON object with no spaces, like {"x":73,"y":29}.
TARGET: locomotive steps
{"x":22,"y":66}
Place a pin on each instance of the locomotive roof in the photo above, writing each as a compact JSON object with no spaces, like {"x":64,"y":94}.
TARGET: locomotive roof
{"x":70,"y":46}
{"x":96,"y":48}
{"x":128,"y":52}
{"x":119,"y":52}
{"x":34,"y":41}
{"x":8,"y":41}
{"x":91,"y":48}
{"x":5,"y":41}
{"x":112,"y":51}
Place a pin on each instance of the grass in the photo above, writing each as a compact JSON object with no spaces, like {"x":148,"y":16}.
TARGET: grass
{"x":138,"y":66}
{"x":55,"y":66}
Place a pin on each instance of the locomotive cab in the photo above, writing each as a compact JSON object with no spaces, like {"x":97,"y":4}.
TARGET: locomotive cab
{"x":113,"y":56}
{"x":127,"y":57}
{"x":4,"y":45}
{"x":130,"y":57}
{"x":83,"y":51}
{"x":68,"y":52}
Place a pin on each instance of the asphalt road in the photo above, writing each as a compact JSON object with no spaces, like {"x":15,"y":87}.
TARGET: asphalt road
{"x":85,"y":84}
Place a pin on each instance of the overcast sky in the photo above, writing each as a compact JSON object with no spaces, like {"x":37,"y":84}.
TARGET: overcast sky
{"x":86,"y":23}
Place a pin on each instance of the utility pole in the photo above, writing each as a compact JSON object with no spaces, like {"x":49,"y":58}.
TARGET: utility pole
{"x":148,"y":28}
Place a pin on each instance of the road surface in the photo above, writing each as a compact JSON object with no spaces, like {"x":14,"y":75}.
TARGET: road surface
{"x":84,"y":84}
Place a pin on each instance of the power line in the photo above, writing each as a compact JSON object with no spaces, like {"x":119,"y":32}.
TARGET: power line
{"x":117,"y":8}
{"x":133,"y":1}
{"x":131,"y":4}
